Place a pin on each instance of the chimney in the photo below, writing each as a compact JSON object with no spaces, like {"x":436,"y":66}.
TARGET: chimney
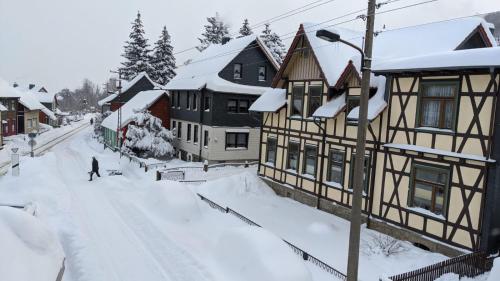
{"x":225,"y":40}
{"x":31,"y":86}
{"x":15,"y":85}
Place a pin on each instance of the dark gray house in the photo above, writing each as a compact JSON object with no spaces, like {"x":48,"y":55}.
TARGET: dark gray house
{"x":140,"y":83}
{"x":210,"y":98}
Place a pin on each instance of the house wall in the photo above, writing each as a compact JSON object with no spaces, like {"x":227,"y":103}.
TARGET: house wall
{"x":31,"y":121}
{"x":161,"y":109}
{"x":251,"y":58}
{"x":10,"y":116}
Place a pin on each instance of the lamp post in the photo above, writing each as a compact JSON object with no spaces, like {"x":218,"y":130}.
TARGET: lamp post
{"x":358,"y":178}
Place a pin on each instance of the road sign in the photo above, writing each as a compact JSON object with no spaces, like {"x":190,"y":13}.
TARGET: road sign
{"x":32,"y":142}
{"x":32,"y":135}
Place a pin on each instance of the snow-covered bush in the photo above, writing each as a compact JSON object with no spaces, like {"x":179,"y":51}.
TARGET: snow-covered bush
{"x":383,"y":244}
{"x":146,"y":137}
{"x":98,"y":132}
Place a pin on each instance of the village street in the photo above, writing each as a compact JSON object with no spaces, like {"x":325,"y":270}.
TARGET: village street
{"x":132,"y":228}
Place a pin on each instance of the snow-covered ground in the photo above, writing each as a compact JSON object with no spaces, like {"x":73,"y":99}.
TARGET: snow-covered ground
{"x":130,"y":227}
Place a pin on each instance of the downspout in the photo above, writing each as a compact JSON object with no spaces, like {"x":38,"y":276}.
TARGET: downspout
{"x":323,"y":145}
{"x":201,"y":133}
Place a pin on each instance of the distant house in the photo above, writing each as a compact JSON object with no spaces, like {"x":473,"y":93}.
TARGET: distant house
{"x":2,"y":109}
{"x":140,"y":83}
{"x":155,"y":101}
{"x":429,"y":142}
{"x":48,"y":100}
{"x":210,"y":100}
{"x":105,"y":103}
{"x":9,"y":98}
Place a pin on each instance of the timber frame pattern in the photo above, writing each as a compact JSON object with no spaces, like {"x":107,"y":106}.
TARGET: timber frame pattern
{"x":387,"y":197}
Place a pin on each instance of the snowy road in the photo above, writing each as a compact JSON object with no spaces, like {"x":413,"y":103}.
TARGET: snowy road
{"x":126,"y":244}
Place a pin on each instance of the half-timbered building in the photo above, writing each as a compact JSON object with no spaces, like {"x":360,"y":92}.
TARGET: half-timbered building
{"x":310,"y":127}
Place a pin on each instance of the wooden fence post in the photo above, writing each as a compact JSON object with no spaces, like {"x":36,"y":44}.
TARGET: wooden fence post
{"x":246,"y":164}
{"x":205,"y":166}
{"x":158,"y":175}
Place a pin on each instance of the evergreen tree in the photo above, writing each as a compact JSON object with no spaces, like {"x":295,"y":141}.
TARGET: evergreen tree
{"x":245,"y":30}
{"x":274,"y":43}
{"x":137,"y":53}
{"x":215,"y":31}
{"x":163,"y":60}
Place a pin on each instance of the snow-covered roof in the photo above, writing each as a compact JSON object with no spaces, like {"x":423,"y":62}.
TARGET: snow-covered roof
{"x":61,"y":113}
{"x":403,"y":42}
{"x":463,"y":59}
{"x":127,"y":85}
{"x":7,"y":91}
{"x":106,"y":99}
{"x":49,"y":113}
{"x":141,"y":101}
{"x":440,"y":152}
{"x":203,"y":70}
{"x":331,"y":108}
{"x":270,"y":101}
{"x":30,"y":102}
{"x":2,"y":108}
{"x":33,"y":249}
{"x":376,"y":104}
{"x":45,"y":97}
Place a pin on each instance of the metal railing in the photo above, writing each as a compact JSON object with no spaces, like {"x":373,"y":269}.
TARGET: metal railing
{"x":305,"y":255}
{"x":468,"y":265}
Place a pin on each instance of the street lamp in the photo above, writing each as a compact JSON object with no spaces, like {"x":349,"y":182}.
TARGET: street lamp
{"x":358,"y":178}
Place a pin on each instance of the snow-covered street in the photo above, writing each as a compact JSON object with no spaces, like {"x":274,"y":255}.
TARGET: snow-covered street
{"x":132,"y":228}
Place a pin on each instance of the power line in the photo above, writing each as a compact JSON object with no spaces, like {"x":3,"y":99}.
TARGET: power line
{"x":282,"y":16}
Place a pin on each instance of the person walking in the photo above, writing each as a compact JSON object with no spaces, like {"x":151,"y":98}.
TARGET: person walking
{"x":95,"y":168}
{"x":91,"y":121}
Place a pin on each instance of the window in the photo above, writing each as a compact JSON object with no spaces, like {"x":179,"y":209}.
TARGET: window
{"x":188,"y":137}
{"x":206,"y":103}
{"x":314,"y":99}
{"x":205,"y":138}
{"x":174,"y":99}
{"x":179,"y":130}
{"x":310,"y":155}
{"x":195,"y":134}
{"x":243,"y":106}
{"x":271,"y":150}
{"x":293,"y":156}
{"x":297,"y":100}
{"x":430,"y":188}
{"x":232,"y":106}
{"x":262,"y":73}
{"x":437,"y":104}
{"x":336,"y":167}
{"x":188,"y":98}
{"x":195,"y":102}
{"x":352,"y":102}
{"x":236,"y":140}
{"x":174,"y":124}
{"x":178,"y":100}
{"x":237,"y":71}
{"x":30,"y":123}
{"x":366,"y":170}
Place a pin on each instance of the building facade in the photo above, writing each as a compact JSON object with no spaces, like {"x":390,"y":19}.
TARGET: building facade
{"x":210,"y":98}
{"x":428,"y":144}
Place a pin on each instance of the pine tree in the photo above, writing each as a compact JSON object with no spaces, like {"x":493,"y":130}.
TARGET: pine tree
{"x":163,"y":61}
{"x":137,"y":52}
{"x":215,"y":31}
{"x":274,"y":43}
{"x":245,"y":30}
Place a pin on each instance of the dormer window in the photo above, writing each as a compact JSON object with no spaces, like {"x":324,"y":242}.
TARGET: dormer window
{"x":262,"y":73}
{"x":237,"y":70}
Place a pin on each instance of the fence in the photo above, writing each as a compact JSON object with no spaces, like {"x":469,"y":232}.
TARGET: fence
{"x":189,"y":171}
{"x":468,"y":265}
{"x":305,"y":255}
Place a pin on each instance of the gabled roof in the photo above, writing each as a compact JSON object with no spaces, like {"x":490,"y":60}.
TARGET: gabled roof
{"x":107,"y":99}
{"x":7,"y":91}
{"x":143,"y":100}
{"x":203,"y":70}
{"x":127,"y":85}
{"x":41,"y":94}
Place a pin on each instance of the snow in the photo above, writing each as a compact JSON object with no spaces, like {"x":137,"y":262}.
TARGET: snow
{"x":495,"y":271}
{"x":7,"y":91}
{"x":30,"y":251}
{"x":2,"y":108}
{"x":106,"y":99}
{"x":261,"y":256}
{"x":331,"y":108}
{"x":203,"y":70}
{"x":463,"y":59}
{"x":439,"y":152}
{"x":237,"y":130}
{"x":270,"y":101}
{"x":376,"y":104}
{"x":143,"y":100}
{"x":136,"y":79}
{"x":49,"y":113}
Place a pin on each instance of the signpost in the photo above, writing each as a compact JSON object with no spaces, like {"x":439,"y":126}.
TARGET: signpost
{"x":32,"y":143}
{"x":15,"y":161}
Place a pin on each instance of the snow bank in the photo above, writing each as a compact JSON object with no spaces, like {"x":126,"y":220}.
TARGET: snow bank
{"x":173,"y":201}
{"x":242,"y":184}
{"x":495,"y":271}
{"x":30,"y":251}
{"x":250,"y":253}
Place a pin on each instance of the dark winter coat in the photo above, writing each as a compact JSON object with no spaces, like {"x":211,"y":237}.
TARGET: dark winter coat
{"x":95,"y":165}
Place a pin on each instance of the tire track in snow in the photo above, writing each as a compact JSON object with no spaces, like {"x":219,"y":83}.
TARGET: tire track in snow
{"x":171,"y":255}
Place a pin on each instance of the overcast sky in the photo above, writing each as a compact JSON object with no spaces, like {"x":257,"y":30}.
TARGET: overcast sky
{"x":57,"y":43}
